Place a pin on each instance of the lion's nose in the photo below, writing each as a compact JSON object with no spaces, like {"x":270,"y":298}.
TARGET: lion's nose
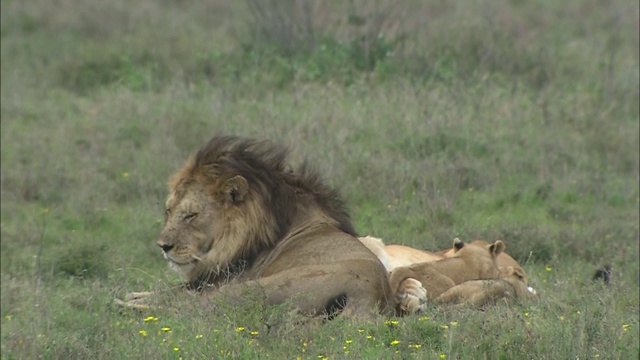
{"x":166,"y":247}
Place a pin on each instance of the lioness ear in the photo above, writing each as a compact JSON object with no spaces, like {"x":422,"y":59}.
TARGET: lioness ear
{"x":457,"y":244}
{"x":236,"y":188}
{"x":496,"y":248}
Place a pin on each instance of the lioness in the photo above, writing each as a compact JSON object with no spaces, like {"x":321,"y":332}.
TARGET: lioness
{"x":238,"y":217}
{"x":414,"y":284}
{"x":512,"y":283}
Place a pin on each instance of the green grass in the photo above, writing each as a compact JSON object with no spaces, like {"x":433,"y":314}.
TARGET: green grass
{"x":496,"y":120}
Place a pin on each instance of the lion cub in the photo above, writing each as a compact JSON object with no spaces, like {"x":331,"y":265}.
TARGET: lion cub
{"x":413,"y":285}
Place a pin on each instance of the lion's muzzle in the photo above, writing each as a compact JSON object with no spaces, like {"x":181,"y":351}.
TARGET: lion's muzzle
{"x":165,"y":247}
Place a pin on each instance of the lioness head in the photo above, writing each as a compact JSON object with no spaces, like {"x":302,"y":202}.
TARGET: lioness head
{"x":480,"y":259}
{"x":508,"y":266}
{"x":218,"y":214}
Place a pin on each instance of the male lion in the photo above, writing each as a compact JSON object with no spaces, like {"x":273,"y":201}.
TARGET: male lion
{"x":414,"y":284}
{"x":238,"y":217}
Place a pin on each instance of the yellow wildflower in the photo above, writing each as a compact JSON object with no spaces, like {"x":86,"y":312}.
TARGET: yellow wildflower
{"x":454,"y":323}
{"x":548,"y":268}
{"x":199,"y":336}
{"x":240,"y":329}
{"x":445,"y":326}
{"x":443,"y":356}
{"x":394,"y":342}
{"x":176,"y":349}
{"x":526,"y":314}
{"x":360,"y":331}
{"x":415,"y":346}
{"x":166,"y":328}
{"x":348,"y":341}
{"x":143,"y":332}
{"x":625,"y":327}
{"x":150,"y":318}
{"x":254,"y":333}
{"x":423,"y":318}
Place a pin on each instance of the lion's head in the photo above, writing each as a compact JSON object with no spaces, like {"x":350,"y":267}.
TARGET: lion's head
{"x":507,"y":265}
{"x":478,"y":261}
{"x":231,"y":201}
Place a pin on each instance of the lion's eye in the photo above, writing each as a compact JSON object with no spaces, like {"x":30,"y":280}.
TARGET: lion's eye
{"x":190,"y":216}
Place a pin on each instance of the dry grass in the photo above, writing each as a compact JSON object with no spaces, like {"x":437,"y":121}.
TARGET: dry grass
{"x":493,"y":120}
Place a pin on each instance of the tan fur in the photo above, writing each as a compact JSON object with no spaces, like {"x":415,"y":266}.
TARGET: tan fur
{"x":480,"y":293}
{"x":238,"y":216}
{"x":467,"y":263}
{"x":393,"y":256}
{"x":504,"y":260}
{"x":377,"y":247}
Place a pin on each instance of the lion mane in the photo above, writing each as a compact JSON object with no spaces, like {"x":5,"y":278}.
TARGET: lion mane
{"x":237,"y":214}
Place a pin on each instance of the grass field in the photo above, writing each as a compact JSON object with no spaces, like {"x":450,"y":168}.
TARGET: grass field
{"x":499,"y":119}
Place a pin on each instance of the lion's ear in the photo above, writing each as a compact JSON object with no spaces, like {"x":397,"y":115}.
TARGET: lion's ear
{"x":457,"y":244}
{"x":236,"y":188}
{"x":496,"y":248}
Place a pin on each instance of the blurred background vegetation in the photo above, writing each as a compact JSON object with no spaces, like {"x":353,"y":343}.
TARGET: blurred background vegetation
{"x":502,"y":119}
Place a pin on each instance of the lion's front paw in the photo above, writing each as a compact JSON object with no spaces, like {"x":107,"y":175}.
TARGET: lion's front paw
{"x":136,"y":300}
{"x":137,"y":295}
{"x":412,"y":296}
